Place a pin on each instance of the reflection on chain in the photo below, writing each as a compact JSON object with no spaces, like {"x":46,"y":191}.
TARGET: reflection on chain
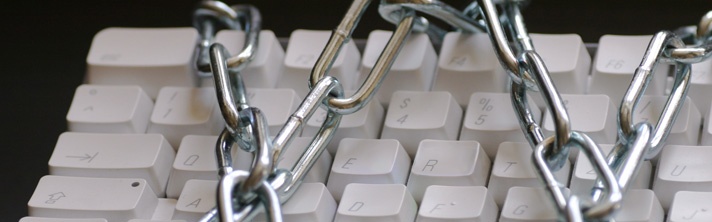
{"x":636,"y":142}
{"x":242,"y":195}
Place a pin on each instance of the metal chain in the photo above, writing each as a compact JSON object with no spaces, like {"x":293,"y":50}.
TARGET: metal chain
{"x":242,"y":195}
{"x":636,"y":142}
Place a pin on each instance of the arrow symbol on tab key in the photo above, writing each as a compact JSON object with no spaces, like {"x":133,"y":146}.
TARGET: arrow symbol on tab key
{"x":86,"y":157}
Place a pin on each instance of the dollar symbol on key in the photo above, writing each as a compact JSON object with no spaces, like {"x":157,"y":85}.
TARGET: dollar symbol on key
{"x":405,"y":103}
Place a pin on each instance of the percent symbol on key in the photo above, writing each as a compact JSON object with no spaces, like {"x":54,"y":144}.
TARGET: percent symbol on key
{"x":486,"y":106}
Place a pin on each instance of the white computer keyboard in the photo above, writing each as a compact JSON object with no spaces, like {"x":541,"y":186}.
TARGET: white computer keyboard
{"x":440,"y":141}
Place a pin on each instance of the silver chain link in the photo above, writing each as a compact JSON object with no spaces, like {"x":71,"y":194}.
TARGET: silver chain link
{"x":242,"y":195}
{"x":636,"y":142}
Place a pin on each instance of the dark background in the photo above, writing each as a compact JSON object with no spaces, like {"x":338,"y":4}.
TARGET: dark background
{"x":45,"y":45}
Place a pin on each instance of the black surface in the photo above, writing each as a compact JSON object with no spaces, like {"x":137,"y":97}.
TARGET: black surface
{"x":45,"y":45}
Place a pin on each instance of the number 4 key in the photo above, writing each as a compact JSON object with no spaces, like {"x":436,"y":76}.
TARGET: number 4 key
{"x":414,"y":116}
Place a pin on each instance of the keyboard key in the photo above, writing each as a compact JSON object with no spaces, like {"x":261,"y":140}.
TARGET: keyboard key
{"x":617,"y":58}
{"x":382,"y":161}
{"x":584,"y":175}
{"x":45,"y":219}
{"x":414,"y":68}
{"x":109,"y":109}
{"x":311,"y":202}
{"x":467,"y":64}
{"x":376,"y":202}
{"x":320,"y":169}
{"x":277,"y":105}
{"x":267,"y":65}
{"x":567,"y":60}
{"x":303,"y":51}
{"x":701,"y":85}
{"x":163,"y":213}
{"x":197,"y":198}
{"x":364,"y":124}
{"x":513,"y":167}
{"x":196,"y":160}
{"x":182,"y":111}
{"x":453,"y":163}
{"x":145,"y":156}
{"x":414,"y":116}
{"x":529,"y":204}
{"x":685,"y":131}
{"x":706,"y":133}
{"x":115,"y":199}
{"x":120,"y":56}
{"x":682,"y":168}
{"x":490,"y":120}
{"x":457,"y":203}
{"x":594,"y":115}
{"x":640,"y":205}
{"x":691,"y":206}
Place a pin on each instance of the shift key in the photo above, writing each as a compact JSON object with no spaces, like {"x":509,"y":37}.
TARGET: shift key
{"x":115,"y":199}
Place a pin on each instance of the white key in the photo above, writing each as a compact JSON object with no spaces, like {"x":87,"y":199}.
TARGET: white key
{"x":453,"y":163}
{"x":529,"y":204}
{"x":277,"y":105}
{"x":311,"y":202}
{"x":513,"y":167}
{"x":457,"y":203}
{"x":46,"y":219}
{"x":290,"y":156}
{"x":567,"y":60}
{"x":364,"y":124}
{"x":197,"y":198}
{"x":164,"y":211}
{"x":381,"y":161}
{"x":584,"y":175}
{"x":617,"y":58}
{"x":265,"y":68}
{"x":490,"y":120}
{"x":594,"y":115}
{"x":640,"y":205}
{"x":303,"y":51}
{"x":115,"y":199}
{"x":376,"y":202}
{"x":182,"y":111}
{"x":109,"y":109}
{"x":145,"y":156}
{"x":415,"y":116}
{"x":119,"y":56}
{"x":706,"y":130}
{"x":414,"y":68}
{"x":196,"y":160}
{"x":682,"y":168}
{"x":685,"y":131}
{"x":467,"y":64}
{"x":691,"y":206}
{"x":701,"y":85}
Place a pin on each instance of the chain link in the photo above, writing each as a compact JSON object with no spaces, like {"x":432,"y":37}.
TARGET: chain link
{"x":636,"y":142}
{"x":242,"y":195}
